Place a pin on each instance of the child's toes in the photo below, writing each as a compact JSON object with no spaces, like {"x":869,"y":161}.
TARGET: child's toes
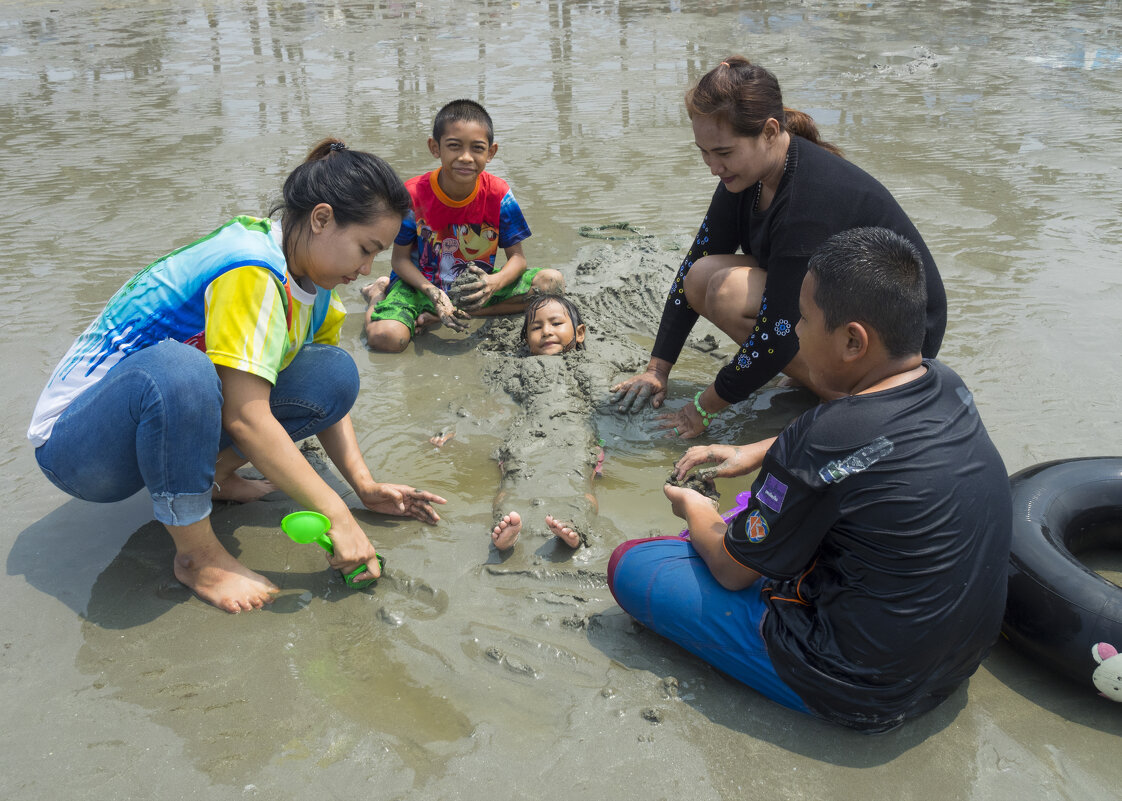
{"x":505,"y":534}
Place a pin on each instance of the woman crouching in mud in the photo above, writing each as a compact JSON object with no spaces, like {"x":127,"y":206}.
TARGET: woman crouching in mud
{"x":550,"y":392}
{"x":782,"y":193}
{"x":226,"y":352}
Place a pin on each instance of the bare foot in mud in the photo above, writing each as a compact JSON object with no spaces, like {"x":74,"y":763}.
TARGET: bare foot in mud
{"x":563,"y":531}
{"x":221,"y":580}
{"x":240,"y":489}
{"x":426,"y":321}
{"x":376,"y":292}
{"x":505,"y":534}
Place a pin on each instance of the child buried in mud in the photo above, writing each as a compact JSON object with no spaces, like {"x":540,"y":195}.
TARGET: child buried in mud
{"x":551,"y":439}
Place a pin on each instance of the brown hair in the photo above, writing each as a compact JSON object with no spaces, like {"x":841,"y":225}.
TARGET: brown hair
{"x":746,"y":96}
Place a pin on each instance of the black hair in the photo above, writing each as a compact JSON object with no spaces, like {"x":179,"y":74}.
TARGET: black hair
{"x":537,"y":301}
{"x":875,"y":277}
{"x":462,"y":110}
{"x":359,"y":187}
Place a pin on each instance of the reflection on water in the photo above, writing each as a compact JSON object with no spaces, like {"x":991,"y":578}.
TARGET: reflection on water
{"x":130,"y":128}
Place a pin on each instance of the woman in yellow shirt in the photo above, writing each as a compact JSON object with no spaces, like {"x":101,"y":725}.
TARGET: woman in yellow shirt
{"x":226,"y":352}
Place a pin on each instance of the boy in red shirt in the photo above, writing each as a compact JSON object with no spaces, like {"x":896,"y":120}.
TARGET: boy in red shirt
{"x":461,"y":216}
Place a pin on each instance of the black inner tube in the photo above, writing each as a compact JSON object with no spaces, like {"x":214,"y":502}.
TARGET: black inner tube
{"x":1095,"y":529}
{"x":1058,"y":607}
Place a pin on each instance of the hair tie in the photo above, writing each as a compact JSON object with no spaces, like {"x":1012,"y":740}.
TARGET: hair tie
{"x":726,"y":64}
{"x":338,"y":146}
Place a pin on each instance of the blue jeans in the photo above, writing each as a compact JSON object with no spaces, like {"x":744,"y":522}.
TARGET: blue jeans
{"x":155,"y":421}
{"x":665,"y":585}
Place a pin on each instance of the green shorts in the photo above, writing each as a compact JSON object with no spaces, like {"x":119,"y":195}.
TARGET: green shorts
{"x":405,"y":303}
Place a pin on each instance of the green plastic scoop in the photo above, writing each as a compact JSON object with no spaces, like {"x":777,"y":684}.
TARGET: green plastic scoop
{"x":305,"y":527}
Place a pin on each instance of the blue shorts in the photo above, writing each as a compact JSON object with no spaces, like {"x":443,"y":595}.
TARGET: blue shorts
{"x":155,"y":421}
{"x":665,"y":585}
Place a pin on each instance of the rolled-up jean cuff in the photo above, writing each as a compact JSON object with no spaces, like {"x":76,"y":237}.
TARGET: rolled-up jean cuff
{"x":225,"y":442}
{"x":181,"y":509}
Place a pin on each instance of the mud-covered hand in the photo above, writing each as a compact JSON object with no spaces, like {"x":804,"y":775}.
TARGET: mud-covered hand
{"x":633,"y":394}
{"x":685,"y":423}
{"x":683,"y":500}
{"x":449,"y":315}
{"x":475,"y":294}
{"x":401,"y":500}
{"x":730,"y":460}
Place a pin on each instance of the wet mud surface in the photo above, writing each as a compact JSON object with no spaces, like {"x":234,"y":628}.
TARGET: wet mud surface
{"x":134,"y":128}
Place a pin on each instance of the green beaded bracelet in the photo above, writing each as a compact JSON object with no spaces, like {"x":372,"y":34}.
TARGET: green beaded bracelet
{"x":706,"y":417}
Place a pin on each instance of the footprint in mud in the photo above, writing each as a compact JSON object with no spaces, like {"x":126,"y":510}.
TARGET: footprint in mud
{"x":527,"y":657}
{"x":670,"y":687}
{"x":581,"y":622}
{"x":390,"y":617}
{"x":512,"y":664}
{"x":581,"y":578}
{"x":559,"y":598}
{"x":432,"y":602}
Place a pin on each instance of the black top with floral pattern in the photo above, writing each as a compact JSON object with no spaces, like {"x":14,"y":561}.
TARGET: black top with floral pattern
{"x":820,"y":194}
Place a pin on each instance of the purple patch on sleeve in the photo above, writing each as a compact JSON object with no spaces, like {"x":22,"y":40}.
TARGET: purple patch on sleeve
{"x":773,"y":493}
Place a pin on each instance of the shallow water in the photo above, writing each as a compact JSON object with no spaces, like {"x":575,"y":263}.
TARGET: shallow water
{"x":130,"y":128}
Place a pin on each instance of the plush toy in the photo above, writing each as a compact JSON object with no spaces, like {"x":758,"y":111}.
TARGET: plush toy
{"x":1108,"y":675}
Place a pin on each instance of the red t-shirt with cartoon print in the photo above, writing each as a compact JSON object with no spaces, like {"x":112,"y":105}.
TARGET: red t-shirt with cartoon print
{"x":447,"y":234}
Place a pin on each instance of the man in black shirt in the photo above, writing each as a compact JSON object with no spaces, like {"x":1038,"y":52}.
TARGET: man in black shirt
{"x":866,"y":578}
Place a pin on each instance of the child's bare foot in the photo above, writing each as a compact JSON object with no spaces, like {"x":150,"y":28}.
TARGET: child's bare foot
{"x":563,"y":532}
{"x":505,"y":534}
{"x":239,"y":489}
{"x":375,"y":292}
{"x":426,"y":321}
{"x":221,"y":580}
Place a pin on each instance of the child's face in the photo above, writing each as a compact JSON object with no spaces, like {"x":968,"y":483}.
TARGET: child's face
{"x":464,"y":153}
{"x":338,"y":254}
{"x":551,"y":332}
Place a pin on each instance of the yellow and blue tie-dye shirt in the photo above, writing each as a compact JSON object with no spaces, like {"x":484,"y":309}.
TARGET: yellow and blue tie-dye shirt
{"x":257,"y":325}
{"x":228,"y":294}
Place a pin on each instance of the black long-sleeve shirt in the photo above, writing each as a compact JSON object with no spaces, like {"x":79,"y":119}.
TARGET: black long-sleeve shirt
{"x":819,"y":195}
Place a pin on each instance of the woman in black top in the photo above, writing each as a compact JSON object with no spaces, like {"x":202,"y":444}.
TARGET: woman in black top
{"x":782,"y":193}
